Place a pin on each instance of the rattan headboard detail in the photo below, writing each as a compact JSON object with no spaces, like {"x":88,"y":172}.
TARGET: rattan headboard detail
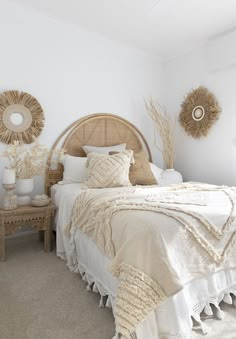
{"x":98,"y":130}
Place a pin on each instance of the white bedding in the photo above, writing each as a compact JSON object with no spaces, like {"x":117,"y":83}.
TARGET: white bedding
{"x":172,"y":319}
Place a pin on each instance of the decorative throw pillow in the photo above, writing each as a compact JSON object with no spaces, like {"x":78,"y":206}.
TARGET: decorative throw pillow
{"x":75,"y":169}
{"x":140,"y":172}
{"x":104,"y":150}
{"x":109,"y":170}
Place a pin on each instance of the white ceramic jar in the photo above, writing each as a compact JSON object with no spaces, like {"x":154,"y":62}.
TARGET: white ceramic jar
{"x":170,"y":176}
{"x":24,"y":188}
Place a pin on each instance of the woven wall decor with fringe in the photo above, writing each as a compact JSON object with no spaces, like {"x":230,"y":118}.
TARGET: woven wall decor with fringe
{"x":199,"y":111}
{"x":31,"y":115}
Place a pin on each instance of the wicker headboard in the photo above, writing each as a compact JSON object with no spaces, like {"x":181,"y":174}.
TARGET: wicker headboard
{"x":97,"y":130}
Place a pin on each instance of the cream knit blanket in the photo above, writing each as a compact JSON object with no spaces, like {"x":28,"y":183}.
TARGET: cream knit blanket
{"x":158,"y":239}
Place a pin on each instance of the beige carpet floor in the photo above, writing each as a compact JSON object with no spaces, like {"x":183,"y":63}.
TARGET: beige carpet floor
{"x":41,"y":299}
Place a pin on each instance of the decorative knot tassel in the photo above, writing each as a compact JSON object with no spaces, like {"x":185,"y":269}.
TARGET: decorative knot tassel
{"x":101,"y":304}
{"x":84,"y":277}
{"x":208,"y":310}
{"x":228,"y":299}
{"x":95,"y":289}
{"x":108,"y":303}
{"x":204,"y":328}
{"x":219,"y":313}
{"x":88,"y":288}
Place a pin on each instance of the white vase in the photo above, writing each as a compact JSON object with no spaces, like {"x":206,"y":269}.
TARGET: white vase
{"x":23,"y":189}
{"x":170,"y":176}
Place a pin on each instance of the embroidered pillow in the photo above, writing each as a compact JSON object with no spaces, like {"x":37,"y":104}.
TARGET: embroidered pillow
{"x":140,"y":172}
{"x":104,"y":150}
{"x":109,"y":170}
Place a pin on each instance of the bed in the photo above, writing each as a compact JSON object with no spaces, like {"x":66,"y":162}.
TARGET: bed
{"x":169,"y":262}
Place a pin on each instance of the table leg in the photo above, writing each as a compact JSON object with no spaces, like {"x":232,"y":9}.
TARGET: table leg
{"x":47,"y":235}
{"x":2,"y":240}
{"x":41,"y":235}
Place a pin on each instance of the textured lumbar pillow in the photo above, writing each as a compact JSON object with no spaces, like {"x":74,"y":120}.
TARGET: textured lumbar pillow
{"x":140,"y":172}
{"x":109,"y":170}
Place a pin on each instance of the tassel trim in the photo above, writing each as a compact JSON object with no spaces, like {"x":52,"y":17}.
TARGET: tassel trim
{"x":108,"y":300}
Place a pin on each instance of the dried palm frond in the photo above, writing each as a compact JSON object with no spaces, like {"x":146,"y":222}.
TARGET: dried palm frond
{"x":164,"y":126}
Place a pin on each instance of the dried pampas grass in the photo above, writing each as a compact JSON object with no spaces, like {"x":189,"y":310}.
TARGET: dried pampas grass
{"x":29,"y":161}
{"x":200,"y":97}
{"x":164,"y":126}
{"x":32,"y":113}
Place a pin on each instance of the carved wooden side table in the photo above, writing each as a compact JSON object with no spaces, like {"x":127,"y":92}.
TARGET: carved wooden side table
{"x":39,"y":218}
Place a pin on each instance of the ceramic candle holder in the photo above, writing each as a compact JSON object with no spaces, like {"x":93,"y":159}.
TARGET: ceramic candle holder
{"x":9,"y":198}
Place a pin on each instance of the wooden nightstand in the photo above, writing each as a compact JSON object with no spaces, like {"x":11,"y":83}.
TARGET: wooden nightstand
{"x":38,"y":218}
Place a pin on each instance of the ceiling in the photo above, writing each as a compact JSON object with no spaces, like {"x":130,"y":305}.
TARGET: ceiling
{"x":165,"y":27}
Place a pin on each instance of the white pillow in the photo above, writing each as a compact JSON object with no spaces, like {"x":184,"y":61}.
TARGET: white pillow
{"x":104,"y":150}
{"x":156,"y":171}
{"x":75,"y":169}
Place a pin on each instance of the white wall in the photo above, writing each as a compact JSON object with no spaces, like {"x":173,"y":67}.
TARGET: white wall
{"x":73,"y":72}
{"x":211,"y":159}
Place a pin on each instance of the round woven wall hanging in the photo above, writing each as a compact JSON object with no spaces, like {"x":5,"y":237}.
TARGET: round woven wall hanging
{"x":21,"y":117}
{"x":199,"y":111}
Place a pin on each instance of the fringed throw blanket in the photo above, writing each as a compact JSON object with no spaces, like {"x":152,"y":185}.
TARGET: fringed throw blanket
{"x":158,"y":240}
